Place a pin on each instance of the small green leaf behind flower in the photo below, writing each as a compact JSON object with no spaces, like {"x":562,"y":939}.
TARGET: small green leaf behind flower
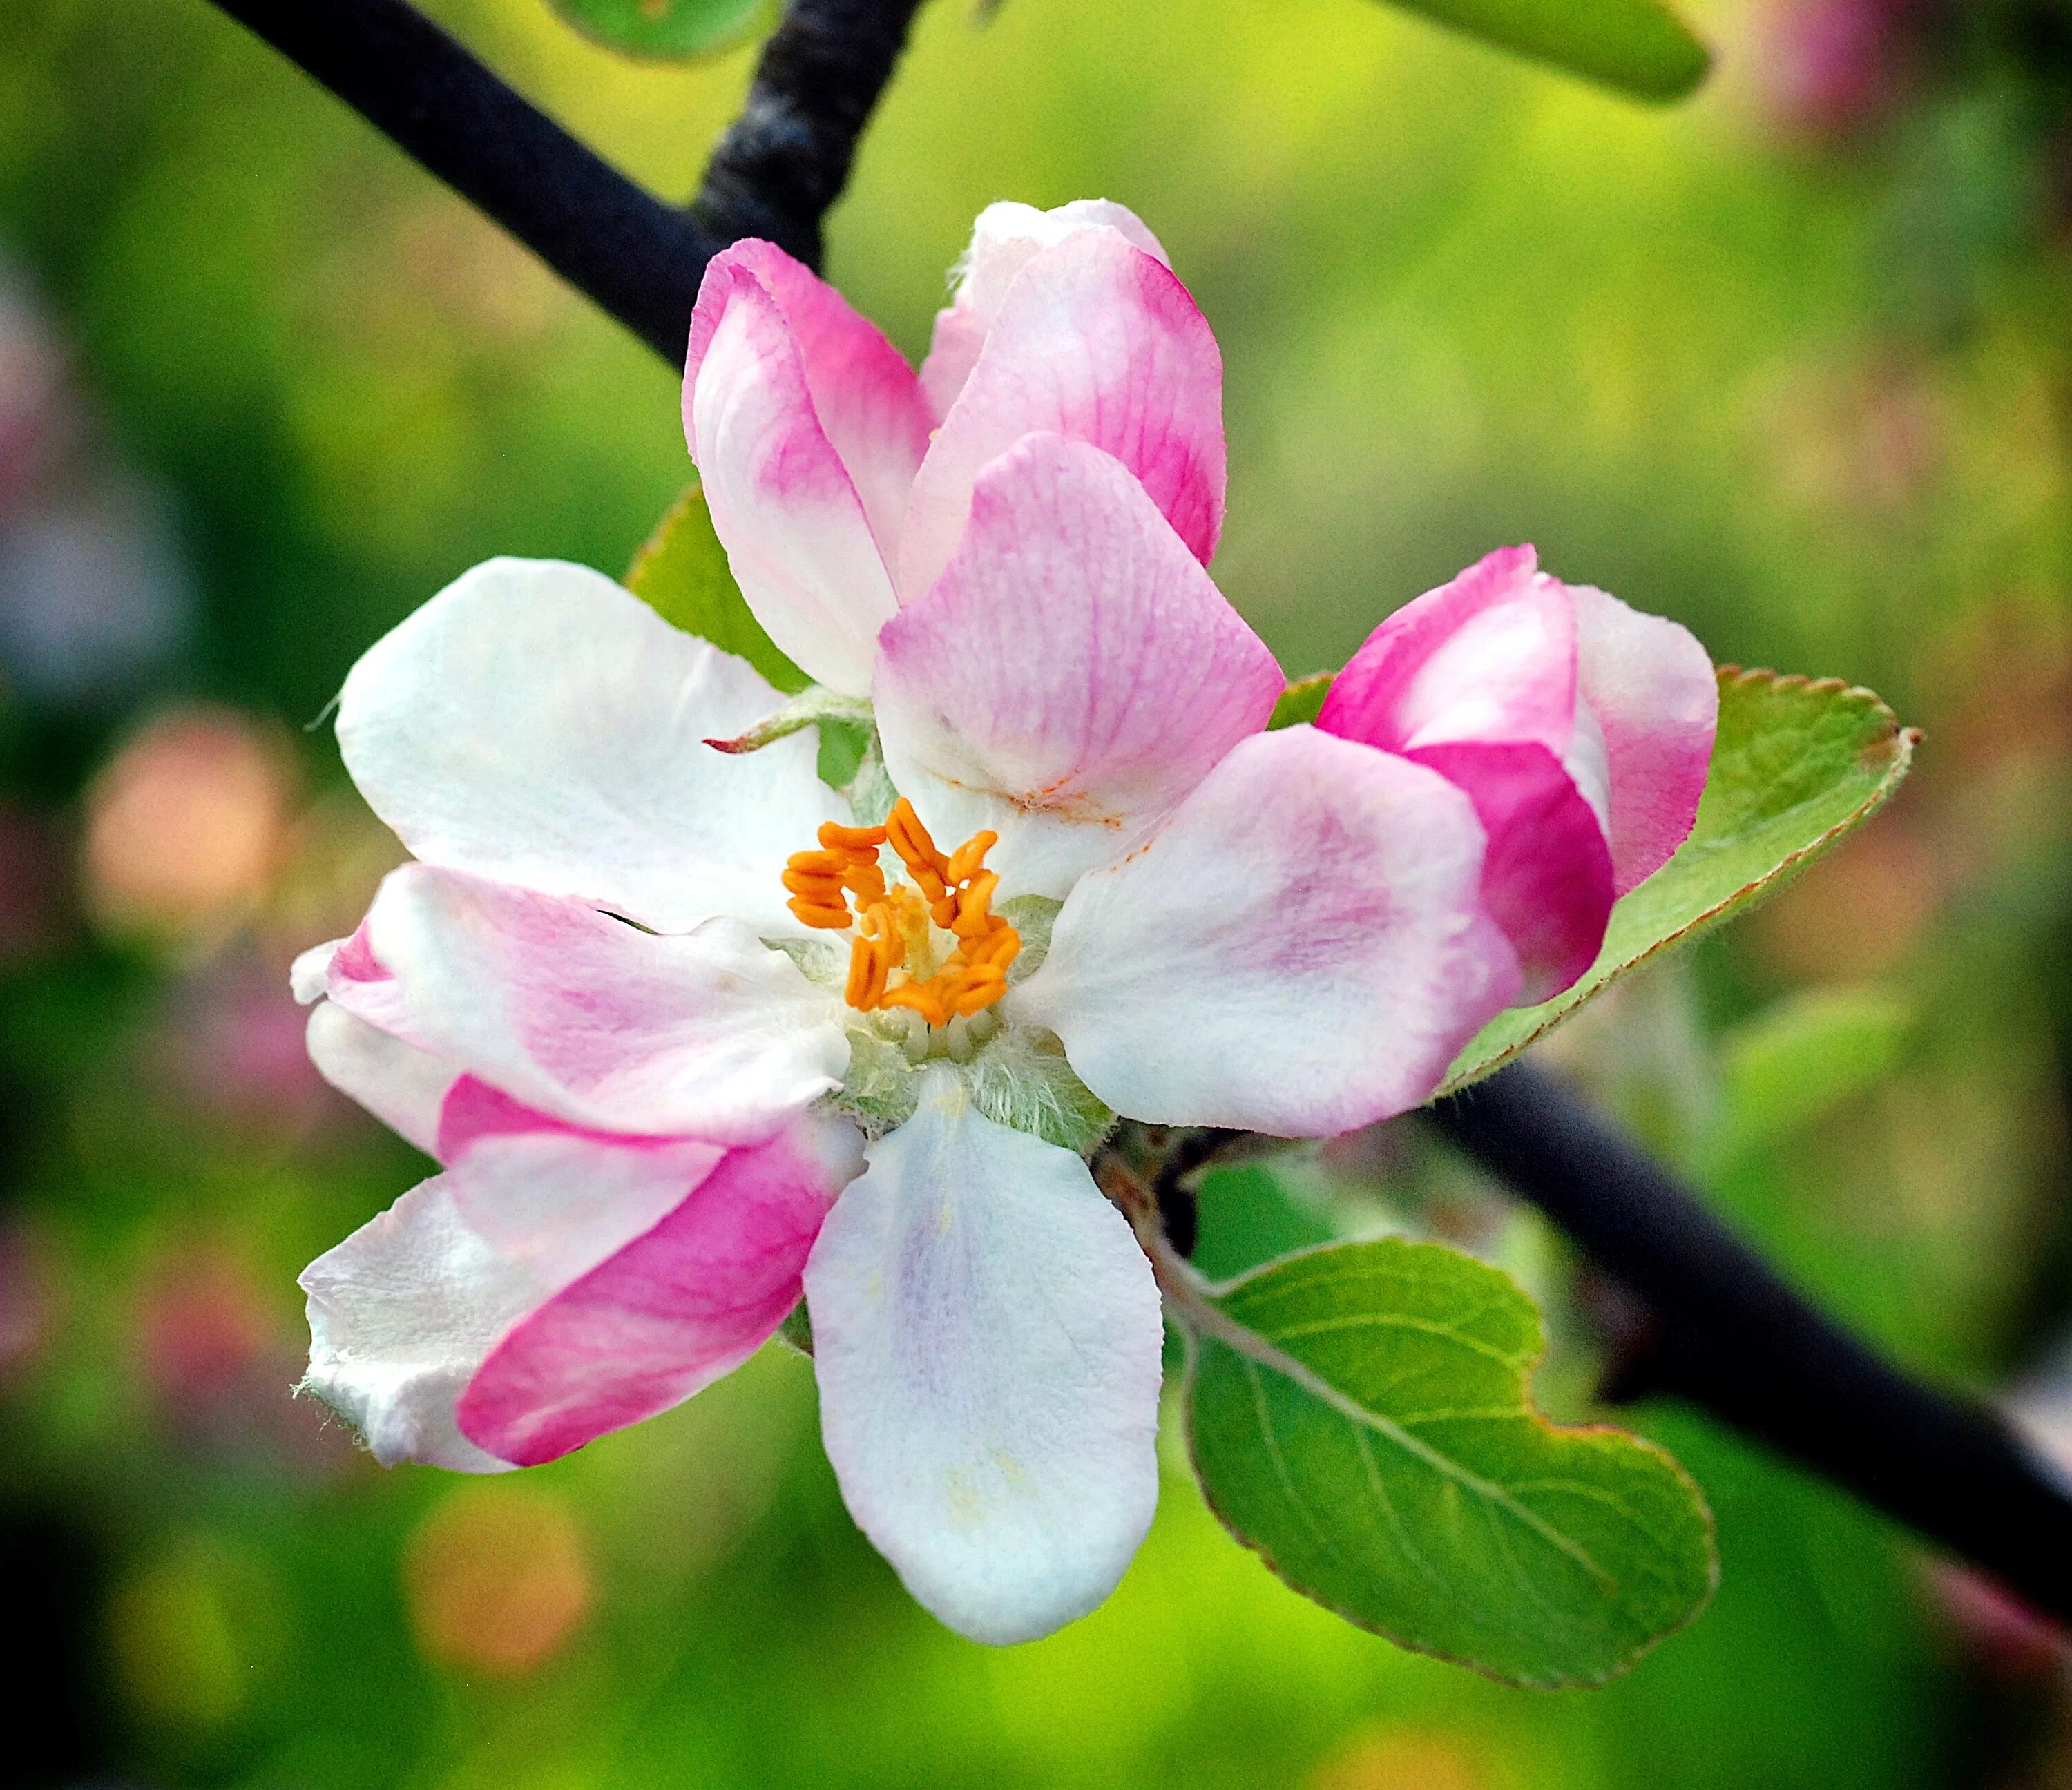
{"x":1639,"y":47}
{"x":1798,"y":763}
{"x":682,"y":574}
{"x":667,"y":30}
{"x":1358,"y":1416}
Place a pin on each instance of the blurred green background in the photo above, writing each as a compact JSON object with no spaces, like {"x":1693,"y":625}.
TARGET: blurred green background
{"x":1792,"y":363}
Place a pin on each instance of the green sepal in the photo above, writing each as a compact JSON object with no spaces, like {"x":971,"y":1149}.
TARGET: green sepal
{"x":1303,"y":700}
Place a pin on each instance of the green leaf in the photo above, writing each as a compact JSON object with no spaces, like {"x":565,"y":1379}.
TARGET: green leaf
{"x":666,"y":30}
{"x":1787,"y":1067}
{"x":1303,"y":700}
{"x":1248,"y":1213}
{"x":1358,"y":1416}
{"x":1638,"y":46}
{"x":1797,"y":764}
{"x":682,"y":574}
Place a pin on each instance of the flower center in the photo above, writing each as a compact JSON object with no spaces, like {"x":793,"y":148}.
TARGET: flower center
{"x":900,"y":928}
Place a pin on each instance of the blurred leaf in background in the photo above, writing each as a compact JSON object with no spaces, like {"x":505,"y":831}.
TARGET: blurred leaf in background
{"x":673,"y":31}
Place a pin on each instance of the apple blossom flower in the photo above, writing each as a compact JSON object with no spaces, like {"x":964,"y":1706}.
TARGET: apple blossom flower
{"x":1581,"y":728}
{"x":692,"y":1037}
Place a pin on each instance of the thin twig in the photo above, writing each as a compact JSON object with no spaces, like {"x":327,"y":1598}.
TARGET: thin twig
{"x":638,"y":259}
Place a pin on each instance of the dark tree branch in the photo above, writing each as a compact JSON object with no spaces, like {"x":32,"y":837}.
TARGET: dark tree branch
{"x":1726,"y":1333}
{"x":640,"y":259}
{"x":787,"y":157}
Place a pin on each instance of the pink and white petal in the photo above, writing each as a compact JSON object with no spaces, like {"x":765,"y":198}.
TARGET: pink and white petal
{"x":401,"y":1316}
{"x":986,"y":1335}
{"x":1301,"y":950}
{"x":709,"y":1033}
{"x":1489,"y":657}
{"x":866,"y":398}
{"x":1650,"y":686}
{"x":1072,"y":675}
{"x":402,"y":1086}
{"x":798,"y":530}
{"x":1547,"y":873}
{"x":1005,"y":238}
{"x":1097,"y":340}
{"x":671,"y":1312}
{"x":404,"y":1313}
{"x":535,"y":724}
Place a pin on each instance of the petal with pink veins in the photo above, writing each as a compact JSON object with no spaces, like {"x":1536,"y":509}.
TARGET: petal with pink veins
{"x":535,"y":724}
{"x":414,"y":1310}
{"x":1652,"y":689}
{"x":709,"y":1033}
{"x":986,"y":1335}
{"x":1005,"y":238}
{"x":671,"y":1312}
{"x":1094,"y":339}
{"x":806,"y":427}
{"x":1301,"y":950}
{"x":1072,"y":675}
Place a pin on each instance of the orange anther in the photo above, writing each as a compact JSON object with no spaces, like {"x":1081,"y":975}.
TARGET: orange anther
{"x":969,"y":858}
{"x":973,"y":919}
{"x":837,"y":838}
{"x":924,"y":998}
{"x":975,"y":996}
{"x":843,"y":883}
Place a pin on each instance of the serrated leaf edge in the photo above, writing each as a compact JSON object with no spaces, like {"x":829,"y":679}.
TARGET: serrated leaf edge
{"x":1188,"y":1294}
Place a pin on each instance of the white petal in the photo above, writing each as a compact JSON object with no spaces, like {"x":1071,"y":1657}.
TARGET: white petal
{"x":708,"y":1033}
{"x":535,"y":724}
{"x":986,"y":1336}
{"x":401,"y":1316}
{"x":1300,"y":950}
{"x":402,"y":1086}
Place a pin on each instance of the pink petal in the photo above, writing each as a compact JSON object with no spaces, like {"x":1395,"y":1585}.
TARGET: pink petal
{"x":1650,"y":686}
{"x":1072,"y":676}
{"x":1300,"y":950}
{"x":1547,"y":876}
{"x":1003,"y":240}
{"x":806,"y":427}
{"x":709,"y":1033}
{"x":1489,"y":657}
{"x":673,"y":1309}
{"x":1095,"y":339}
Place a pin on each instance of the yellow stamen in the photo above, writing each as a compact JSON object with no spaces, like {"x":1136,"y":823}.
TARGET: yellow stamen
{"x":842,"y":885}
